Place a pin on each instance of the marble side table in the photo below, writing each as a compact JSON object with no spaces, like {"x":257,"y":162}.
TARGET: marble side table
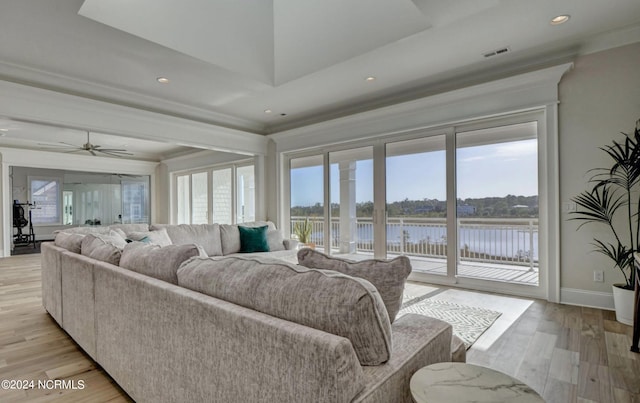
{"x":458,"y":382}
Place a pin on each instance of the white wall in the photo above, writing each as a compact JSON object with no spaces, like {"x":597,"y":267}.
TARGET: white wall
{"x":599,"y":99}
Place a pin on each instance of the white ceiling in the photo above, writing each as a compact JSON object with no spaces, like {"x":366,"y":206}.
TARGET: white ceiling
{"x":229,"y":61}
{"x":29,"y":135}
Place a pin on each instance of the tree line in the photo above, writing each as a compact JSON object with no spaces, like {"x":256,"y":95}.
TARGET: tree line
{"x":508,"y":206}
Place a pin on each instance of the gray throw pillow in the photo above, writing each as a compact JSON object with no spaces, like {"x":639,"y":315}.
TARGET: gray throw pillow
{"x":155,"y":261}
{"x":388,"y":276}
{"x":69,"y":241}
{"x":346,"y":306}
{"x":106,"y":248}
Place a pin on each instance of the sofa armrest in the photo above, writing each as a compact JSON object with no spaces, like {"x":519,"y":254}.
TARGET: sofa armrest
{"x":418,"y":341}
{"x":290,"y":244}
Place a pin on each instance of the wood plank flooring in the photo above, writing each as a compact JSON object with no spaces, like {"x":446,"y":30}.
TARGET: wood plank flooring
{"x":33,"y":347}
{"x":566,"y":353}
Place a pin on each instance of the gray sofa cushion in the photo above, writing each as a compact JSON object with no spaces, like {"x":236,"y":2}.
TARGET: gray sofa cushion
{"x":206,"y":235}
{"x":275,"y":241}
{"x":106,"y":248}
{"x":325,"y":300}
{"x":155,"y":261}
{"x":159,"y":237}
{"x":388,"y":276}
{"x":69,"y":241}
{"x":84,"y":230}
{"x":127,"y":228}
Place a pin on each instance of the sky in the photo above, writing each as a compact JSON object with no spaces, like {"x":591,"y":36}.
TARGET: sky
{"x":493,"y":170}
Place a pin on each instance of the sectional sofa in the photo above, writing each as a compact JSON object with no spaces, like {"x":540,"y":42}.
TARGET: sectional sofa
{"x":196,"y":321}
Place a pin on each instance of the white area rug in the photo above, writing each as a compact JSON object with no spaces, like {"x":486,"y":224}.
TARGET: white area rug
{"x":468,"y":322}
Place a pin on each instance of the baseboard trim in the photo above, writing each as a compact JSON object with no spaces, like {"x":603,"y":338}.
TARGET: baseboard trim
{"x":591,"y":299}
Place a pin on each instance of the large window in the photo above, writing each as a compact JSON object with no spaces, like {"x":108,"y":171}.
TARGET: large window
{"x":46,"y":196}
{"x":223,"y":195}
{"x":462,"y":202}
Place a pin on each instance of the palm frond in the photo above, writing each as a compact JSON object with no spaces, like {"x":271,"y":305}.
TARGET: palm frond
{"x":600,"y":205}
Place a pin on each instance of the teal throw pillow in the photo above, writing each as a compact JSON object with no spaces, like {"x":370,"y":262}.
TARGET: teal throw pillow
{"x":253,"y":239}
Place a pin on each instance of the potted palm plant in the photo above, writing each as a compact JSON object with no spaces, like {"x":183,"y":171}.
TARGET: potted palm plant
{"x":302,"y":230}
{"x":613,"y":202}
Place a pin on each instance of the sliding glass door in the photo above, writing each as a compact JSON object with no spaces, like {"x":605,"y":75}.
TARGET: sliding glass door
{"x":461,"y":202}
{"x":416,"y":202}
{"x":497,"y":203}
{"x":307,"y":215}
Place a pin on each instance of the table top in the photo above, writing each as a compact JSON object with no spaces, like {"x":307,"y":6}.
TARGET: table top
{"x":459,"y":382}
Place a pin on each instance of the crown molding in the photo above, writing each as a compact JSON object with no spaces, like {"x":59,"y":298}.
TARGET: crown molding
{"x":37,"y":105}
{"x":518,"y":92}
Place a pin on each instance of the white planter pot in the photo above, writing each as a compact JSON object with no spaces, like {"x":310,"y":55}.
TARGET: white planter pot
{"x":623,"y":301}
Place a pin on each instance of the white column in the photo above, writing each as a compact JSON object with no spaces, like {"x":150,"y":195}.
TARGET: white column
{"x":348,"y":230}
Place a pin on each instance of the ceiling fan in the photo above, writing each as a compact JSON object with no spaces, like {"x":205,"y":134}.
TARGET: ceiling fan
{"x":90,"y":148}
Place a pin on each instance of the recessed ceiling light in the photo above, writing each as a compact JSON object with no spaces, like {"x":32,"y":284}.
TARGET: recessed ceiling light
{"x":370,"y":78}
{"x":163,"y":80}
{"x":561,"y":19}
{"x":268,"y":111}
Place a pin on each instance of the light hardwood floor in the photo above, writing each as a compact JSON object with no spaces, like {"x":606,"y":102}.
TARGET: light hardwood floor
{"x":566,"y":353}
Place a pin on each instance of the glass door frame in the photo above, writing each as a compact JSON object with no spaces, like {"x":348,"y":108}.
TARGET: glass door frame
{"x":546,"y":154}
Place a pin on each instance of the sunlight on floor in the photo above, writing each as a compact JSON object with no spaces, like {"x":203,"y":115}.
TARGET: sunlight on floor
{"x":510,"y":307}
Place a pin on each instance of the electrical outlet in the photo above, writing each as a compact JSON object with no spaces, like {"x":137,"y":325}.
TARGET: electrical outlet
{"x":568,"y":207}
{"x":598,"y":276}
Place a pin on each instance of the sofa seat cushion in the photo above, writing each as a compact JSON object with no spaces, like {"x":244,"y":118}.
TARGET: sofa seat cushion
{"x":289,"y":256}
{"x":206,"y":235}
{"x":325,"y":300}
{"x":388,"y":276}
{"x":106,"y":248}
{"x":155,"y":261}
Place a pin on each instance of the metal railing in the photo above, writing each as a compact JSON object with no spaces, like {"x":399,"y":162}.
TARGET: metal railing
{"x":491,"y":240}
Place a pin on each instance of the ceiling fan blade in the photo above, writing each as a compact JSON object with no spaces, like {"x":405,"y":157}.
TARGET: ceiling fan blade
{"x":114,"y":153}
{"x":62,"y":145}
{"x":112,"y":150}
{"x":92,"y":153}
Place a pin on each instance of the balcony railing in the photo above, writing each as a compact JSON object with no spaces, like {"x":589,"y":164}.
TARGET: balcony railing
{"x":511,"y":241}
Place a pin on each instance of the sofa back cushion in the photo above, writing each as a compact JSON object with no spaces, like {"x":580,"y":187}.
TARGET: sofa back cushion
{"x":127,"y":228}
{"x":324,"y":300}
{"x":206,"y":235}
{"x":106,"y":248}
{"x":155,"y":261}
{"x":388,"y":276}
